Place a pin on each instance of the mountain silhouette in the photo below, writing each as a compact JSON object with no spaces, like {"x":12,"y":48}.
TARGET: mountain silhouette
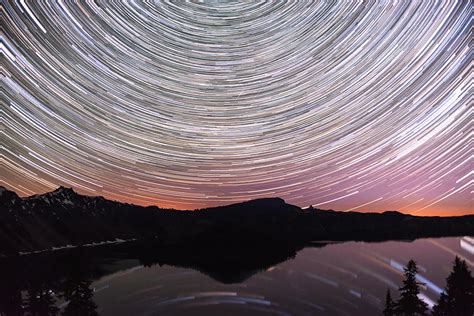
{"x":63,"y":218}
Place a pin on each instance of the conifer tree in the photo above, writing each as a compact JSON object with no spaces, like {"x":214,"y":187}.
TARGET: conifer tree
{"x":410,"y":304}
{"x":41,"y":301}
{"x":458,"y":296}
{"x":79,"y":294}
{"x":389,"y":305}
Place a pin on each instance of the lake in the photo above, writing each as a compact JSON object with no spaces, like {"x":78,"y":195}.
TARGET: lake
{"x":347,"y":278}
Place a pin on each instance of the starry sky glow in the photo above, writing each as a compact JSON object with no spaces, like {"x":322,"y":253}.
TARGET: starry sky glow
{"x":343,"y":105}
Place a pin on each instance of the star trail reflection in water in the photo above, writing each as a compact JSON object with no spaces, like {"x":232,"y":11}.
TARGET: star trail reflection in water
{"x":339,"y":279}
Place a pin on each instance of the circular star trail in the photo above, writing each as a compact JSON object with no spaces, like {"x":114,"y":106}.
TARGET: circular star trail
{"x":348,"y":106}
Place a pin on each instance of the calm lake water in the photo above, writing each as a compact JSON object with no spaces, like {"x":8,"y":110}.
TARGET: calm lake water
{"x":349,"y":278}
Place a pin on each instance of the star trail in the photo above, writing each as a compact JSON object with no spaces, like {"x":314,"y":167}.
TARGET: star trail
{"x":343,"y":105}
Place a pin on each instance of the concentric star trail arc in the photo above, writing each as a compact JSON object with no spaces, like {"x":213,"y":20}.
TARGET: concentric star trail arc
{"x":195,"y":104}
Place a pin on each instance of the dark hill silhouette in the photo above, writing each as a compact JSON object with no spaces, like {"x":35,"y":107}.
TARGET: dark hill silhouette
{"x":63,"y":217}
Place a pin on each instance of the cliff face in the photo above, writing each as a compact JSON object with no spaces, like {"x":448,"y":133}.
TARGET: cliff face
{"x":63,"y":217}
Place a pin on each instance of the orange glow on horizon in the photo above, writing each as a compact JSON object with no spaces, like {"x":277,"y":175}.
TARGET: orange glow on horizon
{"x":183,"y":206}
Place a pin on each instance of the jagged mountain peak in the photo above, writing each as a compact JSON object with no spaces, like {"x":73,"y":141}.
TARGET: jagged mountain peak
{"x":62,"y":190}
{"x":62,"y":195}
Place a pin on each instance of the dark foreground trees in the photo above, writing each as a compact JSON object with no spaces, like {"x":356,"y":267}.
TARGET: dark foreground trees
{"x":389,"y":305}
{"x":410,"y":303}
{"x":41,"y":301}
{"x":78,"y":294}
{"x":456,"y":300}
{"x":458,"y":296}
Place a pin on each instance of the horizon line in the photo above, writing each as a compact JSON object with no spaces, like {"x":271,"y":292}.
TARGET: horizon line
{"x":232,"y":203}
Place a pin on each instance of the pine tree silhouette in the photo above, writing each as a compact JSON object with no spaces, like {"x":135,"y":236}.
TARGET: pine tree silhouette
{"x":79,"y":294}
{"x":458,"y":296}
{"x":41,"y":301}
{"x":77,"y":287}
{"x":409,"y":303}
{"x":389,"y":305}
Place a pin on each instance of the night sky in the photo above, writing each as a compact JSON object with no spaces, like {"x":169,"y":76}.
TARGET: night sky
{"x":362,"y":107}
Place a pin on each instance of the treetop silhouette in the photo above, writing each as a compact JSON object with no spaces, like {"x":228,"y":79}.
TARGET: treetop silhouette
{"x":458,"y":296}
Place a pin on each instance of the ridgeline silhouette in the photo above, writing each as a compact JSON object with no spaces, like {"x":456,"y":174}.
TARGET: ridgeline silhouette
{"x":63,"y":217}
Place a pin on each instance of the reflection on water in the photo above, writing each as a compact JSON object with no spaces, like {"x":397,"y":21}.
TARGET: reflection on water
{"x":348,"y":278}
